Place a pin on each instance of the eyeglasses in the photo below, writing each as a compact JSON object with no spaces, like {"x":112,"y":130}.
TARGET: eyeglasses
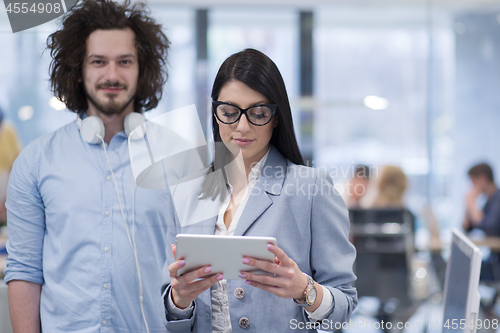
{"x":258,"y":115}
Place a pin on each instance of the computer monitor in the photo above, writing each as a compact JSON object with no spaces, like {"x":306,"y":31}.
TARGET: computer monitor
{"x":461,"y":296}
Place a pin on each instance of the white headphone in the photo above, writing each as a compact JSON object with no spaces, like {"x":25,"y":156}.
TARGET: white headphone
{"x":92,"y":131}
{"x":92,"y":127}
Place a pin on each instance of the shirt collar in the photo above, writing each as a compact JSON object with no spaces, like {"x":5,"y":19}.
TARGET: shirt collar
{"x":81,"y":115}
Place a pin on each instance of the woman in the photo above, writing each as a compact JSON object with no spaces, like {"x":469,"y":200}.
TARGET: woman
{"x":391,"y":188}
{"x":269,"y":193}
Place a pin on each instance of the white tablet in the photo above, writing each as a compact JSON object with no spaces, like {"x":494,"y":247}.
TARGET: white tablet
{"x":223,"y":253}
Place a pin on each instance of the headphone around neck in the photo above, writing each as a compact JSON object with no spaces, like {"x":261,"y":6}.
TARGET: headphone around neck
{"x":92,"y":127}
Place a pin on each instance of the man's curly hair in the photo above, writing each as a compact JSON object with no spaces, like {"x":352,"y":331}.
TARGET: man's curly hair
{"x":67,"y":48}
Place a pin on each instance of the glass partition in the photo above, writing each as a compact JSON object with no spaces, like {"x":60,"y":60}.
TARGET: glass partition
{"x":412,"y":84}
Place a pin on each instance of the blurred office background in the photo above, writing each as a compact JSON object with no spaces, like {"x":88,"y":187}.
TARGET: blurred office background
{"x":410,"y":83}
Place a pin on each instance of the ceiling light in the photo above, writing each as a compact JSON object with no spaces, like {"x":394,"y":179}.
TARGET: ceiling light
{"x":375,"y":102}
{"x":26,"y":112}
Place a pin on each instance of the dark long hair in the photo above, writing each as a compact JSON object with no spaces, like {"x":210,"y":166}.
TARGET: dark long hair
{"x":67,"y":48}
{"x":260,"y":73}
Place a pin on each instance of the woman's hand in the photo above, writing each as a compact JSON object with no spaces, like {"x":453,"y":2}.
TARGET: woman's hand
{"x":184,"y":288}
{"x":289,"y":281}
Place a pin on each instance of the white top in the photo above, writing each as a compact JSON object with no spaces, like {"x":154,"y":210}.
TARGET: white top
{"x":221,"y":321}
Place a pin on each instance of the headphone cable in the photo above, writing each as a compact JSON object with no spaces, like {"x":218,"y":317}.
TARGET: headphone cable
{"x":132,"y":243}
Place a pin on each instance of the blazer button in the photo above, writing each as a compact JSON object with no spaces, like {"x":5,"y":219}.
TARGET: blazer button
{"x":244,"y":322}
{"x":239,"y":293}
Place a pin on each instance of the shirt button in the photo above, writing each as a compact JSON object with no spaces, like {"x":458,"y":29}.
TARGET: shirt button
{"x":106,"y":213}
{"x":244,"y":322}
{"x":239,"y":293}
{"x":104,"y":322}
{"x":106,"y":249}
{"x":105,"y":286}
{"x":108,"y":177}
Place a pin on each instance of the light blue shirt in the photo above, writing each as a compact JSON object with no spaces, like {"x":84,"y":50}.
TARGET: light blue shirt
{"x":66,"y":232}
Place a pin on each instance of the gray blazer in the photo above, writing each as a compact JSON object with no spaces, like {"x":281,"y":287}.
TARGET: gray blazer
{"x":300,"y":207}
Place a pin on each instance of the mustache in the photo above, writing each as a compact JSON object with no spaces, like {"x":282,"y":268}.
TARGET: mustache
{"x":116,"y":84}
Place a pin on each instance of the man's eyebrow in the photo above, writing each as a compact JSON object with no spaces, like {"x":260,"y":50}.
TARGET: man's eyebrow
{"x":96,"y":56}
{"x":130,"y":55}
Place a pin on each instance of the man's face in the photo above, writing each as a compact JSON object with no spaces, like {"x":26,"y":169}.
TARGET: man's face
{"x":111,"y":70}
{"x":359,"y":186}
{"x":480,"y":182}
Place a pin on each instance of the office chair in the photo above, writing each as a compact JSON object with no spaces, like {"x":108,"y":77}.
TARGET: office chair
{"x":384,"y":240}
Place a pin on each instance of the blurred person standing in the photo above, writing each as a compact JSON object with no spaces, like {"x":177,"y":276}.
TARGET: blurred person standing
{"x":9,"y":149}
{"x":486,"y":218}
{"x":78,"y":225}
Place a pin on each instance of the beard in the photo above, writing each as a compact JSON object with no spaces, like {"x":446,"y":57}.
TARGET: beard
{"x":112,"y":106}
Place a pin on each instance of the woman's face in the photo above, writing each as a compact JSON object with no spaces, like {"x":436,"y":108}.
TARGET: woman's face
{"x":252,"y":140}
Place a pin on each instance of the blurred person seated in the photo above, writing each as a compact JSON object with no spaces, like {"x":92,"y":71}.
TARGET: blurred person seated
{"x":357,"y":188}
{"x":391,"y":188}
{"x":486,"y":218}
{"x":386,"y":246}
{"x":9,"y":149}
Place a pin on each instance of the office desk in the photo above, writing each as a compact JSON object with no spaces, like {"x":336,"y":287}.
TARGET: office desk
{"x":493,"y":243}
{"x":437,"y":247}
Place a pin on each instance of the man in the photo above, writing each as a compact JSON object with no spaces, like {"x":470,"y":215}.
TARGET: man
{"x":357,"y":188}
{"x":487,"y":218}
{"x":77,"y":222}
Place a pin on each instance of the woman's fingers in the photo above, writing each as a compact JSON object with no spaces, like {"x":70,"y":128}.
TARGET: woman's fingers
{"x":262,"y":264}
{"x":195,"y":287}
{"x":188,"y":287}
{"x":174,"y":267}
{"x":288,"y":280}
{"x":291,"y":286}
{"x":277,"y":286}
{"x":272,"y":289}
{"x":174,"y":250}
{"x":276,"y":281}
{"x":193,"y":275}
{"x":184,"y":294}
{"x":280,"y":254}
{"x":281,"y":260}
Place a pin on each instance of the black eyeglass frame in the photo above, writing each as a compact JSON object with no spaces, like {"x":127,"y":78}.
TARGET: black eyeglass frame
{"x":215,"y":105}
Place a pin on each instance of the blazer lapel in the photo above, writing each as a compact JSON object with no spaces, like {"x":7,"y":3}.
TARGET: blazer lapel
{"x":269,"y":183}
